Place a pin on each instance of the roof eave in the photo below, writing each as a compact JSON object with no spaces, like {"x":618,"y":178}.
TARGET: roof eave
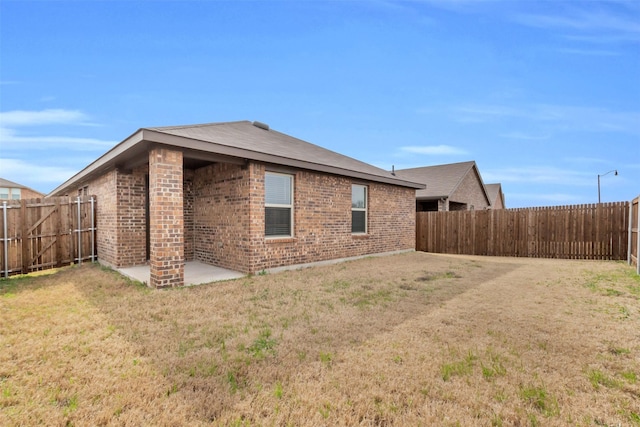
{"x":196,"y":144}
{"x":122,"y":153}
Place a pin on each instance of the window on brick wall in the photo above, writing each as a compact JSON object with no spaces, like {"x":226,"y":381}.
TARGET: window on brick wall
{"x":10,"y":193}
{"x":278,"y":195}
{"x":358,"y":209}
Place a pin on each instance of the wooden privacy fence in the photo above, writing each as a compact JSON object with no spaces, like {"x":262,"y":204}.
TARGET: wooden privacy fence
{"x":38,"y":234}
{"x":594,"y":231}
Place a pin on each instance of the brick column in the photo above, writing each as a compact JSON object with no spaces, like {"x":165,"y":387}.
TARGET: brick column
{"x":166,"y":218}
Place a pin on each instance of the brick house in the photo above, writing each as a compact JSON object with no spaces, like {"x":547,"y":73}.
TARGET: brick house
{"x":241,"y":196}
{"x":496,"y":196}
{"x":10,"y":190}
{"x":449,"y":187}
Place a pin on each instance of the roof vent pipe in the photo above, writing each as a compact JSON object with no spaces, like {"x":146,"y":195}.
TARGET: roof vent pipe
{"x":393,"y":170}
{"x":261,"y":125}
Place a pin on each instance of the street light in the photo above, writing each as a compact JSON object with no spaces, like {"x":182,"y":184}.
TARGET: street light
{"x":616,"y":173}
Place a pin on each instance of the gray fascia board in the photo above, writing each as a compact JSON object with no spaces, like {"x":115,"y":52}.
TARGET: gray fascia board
{"x":194,"y":144}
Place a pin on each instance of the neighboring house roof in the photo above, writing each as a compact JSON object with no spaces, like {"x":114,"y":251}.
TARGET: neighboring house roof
{"x":230,"y":141}
{"x":7,"y":183}
{"x":441,"y":180}
{"x":495,"y":192}
{"x":10,"y":184}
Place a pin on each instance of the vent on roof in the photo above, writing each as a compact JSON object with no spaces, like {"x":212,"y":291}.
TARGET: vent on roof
{"x":261,"y":125}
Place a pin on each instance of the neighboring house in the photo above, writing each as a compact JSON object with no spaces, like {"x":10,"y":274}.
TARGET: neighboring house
{"x":239,"y":195}
{"x":10,"y":190}
{"x":450,"y":187}
{"x":496,"y":196}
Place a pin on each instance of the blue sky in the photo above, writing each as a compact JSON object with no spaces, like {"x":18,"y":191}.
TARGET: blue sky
{"x":543,"y":95}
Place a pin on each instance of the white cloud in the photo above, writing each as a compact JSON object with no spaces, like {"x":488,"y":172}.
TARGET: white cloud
{"x":539,"y":175}
{"x":586,"y":20}
{"x":589,"y":52}
{"x":11,"y":140}
{"x":524,"y":136}
{"x":546,"y":199}
{"x":34,"y":175}
{"x":18,"y":118}
{"x":13,"y":135}
{"x":436,"y":150}
{"x":559,"y":117}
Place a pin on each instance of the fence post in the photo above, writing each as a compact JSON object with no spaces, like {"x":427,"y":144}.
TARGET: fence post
{"x":5,"y":239}
{"x":638,"y":236}
{"x":79,"y":232}
{"x":93,"y":231}
{"x":25,"y":238}
{"x":630,"y":237}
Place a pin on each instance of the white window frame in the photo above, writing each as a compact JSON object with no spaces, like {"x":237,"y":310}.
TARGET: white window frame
{"x":277,"y":205}
{"x":364,"y":209}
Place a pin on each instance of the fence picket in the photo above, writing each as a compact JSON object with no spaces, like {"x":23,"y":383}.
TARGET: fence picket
{"x":591,"y":231}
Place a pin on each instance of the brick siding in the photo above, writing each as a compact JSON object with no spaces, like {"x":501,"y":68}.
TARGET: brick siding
{"x":221,"y":203}
{"x":322,"y":222}
{"x":166,"y":220}
{"x":131,"y":217}
{"x":470,"y":193}
{"x":215,"y":215}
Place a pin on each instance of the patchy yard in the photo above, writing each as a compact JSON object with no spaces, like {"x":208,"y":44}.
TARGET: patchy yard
{"x":413,"y":339}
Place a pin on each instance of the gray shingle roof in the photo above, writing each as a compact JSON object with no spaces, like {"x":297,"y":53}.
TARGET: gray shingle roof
{"x":7,"y":183}
{"x":441,"y":180}
{"x":256,"y":140}
{"x":11,"y":184}
{"x":239,"y":140}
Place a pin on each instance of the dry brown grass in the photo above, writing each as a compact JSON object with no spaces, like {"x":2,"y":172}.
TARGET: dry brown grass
{"x":413,"y":339}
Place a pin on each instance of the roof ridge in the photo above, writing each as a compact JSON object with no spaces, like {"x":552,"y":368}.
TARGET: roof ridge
{"x":438,"y":165}
{"x":199,"y":125}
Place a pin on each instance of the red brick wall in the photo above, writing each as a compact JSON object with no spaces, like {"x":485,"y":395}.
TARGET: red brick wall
{"x":131,"y":200}
{"x":189,"y":243}
{"x":166,"y":217}
{"x":229,"y":219}
{"x":219,"y":218}
{"x":221,"y":215}
{"x":105,"y":190}
{"x":470,"y":192}
{"x":27,"y":193}
{"x":120,"y":216}
{"x":322,"y":222}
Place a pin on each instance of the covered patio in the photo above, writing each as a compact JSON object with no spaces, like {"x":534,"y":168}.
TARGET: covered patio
{"x":195,"y":273}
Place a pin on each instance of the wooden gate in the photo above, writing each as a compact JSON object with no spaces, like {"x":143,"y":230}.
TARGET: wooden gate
{"x":38,"y":234}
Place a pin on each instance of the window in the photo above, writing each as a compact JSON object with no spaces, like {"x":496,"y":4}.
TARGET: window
{"x":278,"y":201}
{"x":4,"y":193}
{"x":15,"y":193}
{"x":358,"y":208}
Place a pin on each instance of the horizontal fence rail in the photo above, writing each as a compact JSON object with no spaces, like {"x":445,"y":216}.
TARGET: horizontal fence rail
{"x":593,"y":231}
{"x":39,"y":234}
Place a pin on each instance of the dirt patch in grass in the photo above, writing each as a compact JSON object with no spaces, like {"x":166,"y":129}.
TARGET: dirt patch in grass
{"x":412,"y":339}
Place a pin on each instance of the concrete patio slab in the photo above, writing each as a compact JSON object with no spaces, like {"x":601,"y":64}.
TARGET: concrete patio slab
{"x":195,"y":273}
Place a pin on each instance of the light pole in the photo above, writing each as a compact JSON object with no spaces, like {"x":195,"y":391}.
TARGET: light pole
{"x":616,"y":173}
